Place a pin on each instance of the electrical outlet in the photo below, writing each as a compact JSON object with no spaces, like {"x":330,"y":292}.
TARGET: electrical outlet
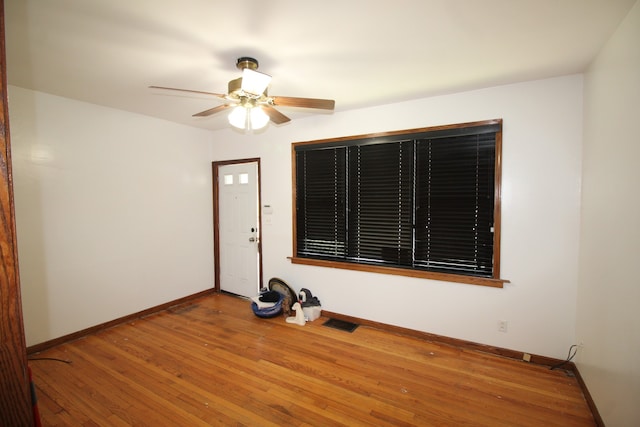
{"x":502,"y":325}
{"x":526,"y":357}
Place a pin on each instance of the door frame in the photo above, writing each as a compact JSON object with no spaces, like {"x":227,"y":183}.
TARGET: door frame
{"x":215,"y":166}
{"x":15,"y":400}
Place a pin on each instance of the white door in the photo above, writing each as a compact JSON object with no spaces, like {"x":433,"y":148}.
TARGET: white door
{"x":238,"y":228}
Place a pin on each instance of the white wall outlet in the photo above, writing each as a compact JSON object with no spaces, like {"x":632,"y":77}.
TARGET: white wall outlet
{"x":502,"y":325}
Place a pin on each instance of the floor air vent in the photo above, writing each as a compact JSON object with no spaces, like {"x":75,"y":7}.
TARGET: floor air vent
{"x":341,"y":325}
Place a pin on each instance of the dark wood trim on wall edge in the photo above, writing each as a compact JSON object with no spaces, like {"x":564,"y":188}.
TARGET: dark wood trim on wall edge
{"x":472,"y":346}
{"x":587,"y":396}
{"x":454,"y":342}
{"x":36,"y":348}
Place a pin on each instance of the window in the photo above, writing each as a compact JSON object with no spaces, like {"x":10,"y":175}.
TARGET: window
{"x":421,"y":202}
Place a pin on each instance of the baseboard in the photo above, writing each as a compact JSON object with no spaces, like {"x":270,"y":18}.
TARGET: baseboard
{"x":469,"y":345}
{"x":466,"y":345}
{"x":587,"y":396}
{"x":36,"y":348}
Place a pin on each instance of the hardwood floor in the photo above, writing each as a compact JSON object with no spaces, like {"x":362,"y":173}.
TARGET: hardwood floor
{"x":212,"y":362}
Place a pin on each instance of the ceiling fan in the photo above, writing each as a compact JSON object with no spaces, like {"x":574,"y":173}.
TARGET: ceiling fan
{"x":253,"y":107}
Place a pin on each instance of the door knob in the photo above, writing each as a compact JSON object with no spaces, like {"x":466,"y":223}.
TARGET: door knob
{"x":252,"y":239}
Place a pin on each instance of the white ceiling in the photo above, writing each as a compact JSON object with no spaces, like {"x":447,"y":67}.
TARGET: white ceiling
{"x":359,"y":52}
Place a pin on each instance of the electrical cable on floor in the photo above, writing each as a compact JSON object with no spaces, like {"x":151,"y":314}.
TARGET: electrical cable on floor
{"x":49,"y":358}
{"x":569,"y":357}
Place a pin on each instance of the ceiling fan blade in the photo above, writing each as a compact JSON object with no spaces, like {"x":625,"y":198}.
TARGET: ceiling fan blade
{"x":276,"y":116}
{"x":212,"y":111}
{"x":188,"y":91}
{"x":288,"y":101}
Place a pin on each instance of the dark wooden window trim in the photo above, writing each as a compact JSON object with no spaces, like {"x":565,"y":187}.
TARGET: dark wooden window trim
{"x":494,"y":281}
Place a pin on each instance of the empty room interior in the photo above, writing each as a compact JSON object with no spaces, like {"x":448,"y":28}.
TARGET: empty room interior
{"x":457,"y":180}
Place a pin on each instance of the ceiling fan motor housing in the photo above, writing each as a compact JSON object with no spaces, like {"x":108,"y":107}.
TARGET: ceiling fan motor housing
{"x":235,"y":89}
{"x":247,"y":62}
{"x":235,"y":85}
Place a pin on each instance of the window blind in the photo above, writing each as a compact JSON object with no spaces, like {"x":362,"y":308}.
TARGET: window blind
{"x":381,"y":203}
{"x":454,"y":204}
{"x":320,"y":203}
{"x":421,"y":201}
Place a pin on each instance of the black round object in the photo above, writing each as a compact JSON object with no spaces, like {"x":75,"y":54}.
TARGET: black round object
{"x":270,"y":296}
{"x":280,"y":285}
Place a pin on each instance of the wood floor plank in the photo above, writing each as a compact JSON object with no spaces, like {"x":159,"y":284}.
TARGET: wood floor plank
{"x":212,"y":362}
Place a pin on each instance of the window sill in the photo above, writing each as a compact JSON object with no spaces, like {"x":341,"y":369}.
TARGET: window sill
{"x":471,"y":280}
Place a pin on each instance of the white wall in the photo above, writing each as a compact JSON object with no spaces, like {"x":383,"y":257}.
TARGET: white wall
{"x":118,"y":217}
{"x":541,"y":195}
{"x":113,"y":209}
{"x":608,"y":314}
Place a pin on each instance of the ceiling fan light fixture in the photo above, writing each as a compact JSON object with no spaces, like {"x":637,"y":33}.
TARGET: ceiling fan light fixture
{"x":238,"y":117}
{"x":248,"y":118}
{"x":259,"y":118}
{"x":254,"y":82}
